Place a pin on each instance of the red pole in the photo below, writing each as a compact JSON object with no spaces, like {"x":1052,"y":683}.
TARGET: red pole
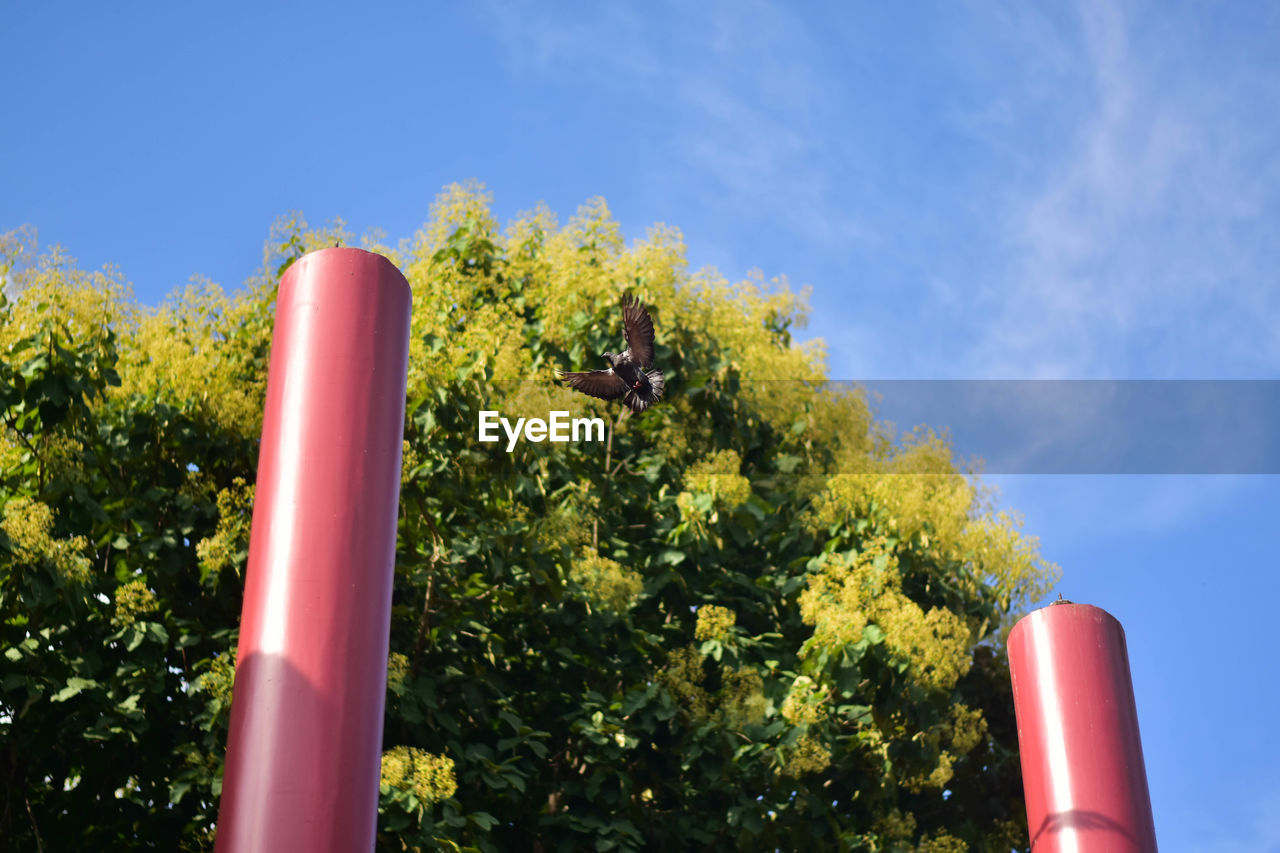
{"x":1082,"y":768}
{"x":303,"y":753}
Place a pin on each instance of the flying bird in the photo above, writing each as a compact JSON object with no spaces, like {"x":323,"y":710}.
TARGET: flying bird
{"x":627,"y":375}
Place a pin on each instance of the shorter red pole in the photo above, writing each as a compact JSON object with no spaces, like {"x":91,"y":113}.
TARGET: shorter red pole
{"x":1082,"y":769}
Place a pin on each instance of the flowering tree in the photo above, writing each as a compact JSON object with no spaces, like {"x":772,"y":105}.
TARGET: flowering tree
{"x":751,"y":618}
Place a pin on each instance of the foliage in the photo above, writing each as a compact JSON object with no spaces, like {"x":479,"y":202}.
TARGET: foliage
{"x":748,"y":620}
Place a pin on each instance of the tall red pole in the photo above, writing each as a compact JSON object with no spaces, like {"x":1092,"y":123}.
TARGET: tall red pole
{"x":1082,"y":769}
{"x":303,"y":753}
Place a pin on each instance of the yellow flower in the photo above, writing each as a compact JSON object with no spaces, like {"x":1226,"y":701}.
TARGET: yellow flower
{"x":714,"y":623}
{"x":606,"y":583}
{"x":29,"y":525}
{"x":428,"y":777}
{"x":133,"y":599}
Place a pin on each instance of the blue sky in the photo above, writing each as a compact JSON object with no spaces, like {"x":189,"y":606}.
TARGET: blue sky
{"x":974,"y":191}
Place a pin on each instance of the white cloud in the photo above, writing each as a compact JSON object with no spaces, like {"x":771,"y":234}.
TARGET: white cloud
{"x":1093,"y":508}
{"x":1257,"y":832}
{"x":738,"y":100}
{"x":1116,"y":217}
{"x":1138,"y":252}
{"x":541,"y":39}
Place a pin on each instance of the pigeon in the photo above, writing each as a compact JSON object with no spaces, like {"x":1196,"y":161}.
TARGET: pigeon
{"x":627,"y":375}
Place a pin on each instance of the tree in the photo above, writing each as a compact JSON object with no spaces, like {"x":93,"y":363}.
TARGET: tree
{"x":751,"y":618}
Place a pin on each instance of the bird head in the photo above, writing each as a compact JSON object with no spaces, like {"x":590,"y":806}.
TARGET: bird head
{"x":607,"y":356}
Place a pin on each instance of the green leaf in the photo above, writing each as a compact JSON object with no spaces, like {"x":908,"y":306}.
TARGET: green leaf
{"x":178,"y":790}
{"x":672,"y":557}
{"x":786,"y":463}
{"x":133,"y":636}
{"x":74,"y":687}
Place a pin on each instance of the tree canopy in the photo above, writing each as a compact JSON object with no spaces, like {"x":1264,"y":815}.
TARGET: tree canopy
{"x":752,"y":618}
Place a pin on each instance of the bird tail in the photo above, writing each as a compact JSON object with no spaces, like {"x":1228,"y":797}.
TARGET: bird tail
{"x":656,"y":382}
{"x":646,"y":397}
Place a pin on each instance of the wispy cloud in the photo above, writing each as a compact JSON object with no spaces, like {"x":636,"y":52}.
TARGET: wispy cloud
{"x":1082,"y":192}
{"x":738,"y":102}
{"x":1257,"y":830}
{"x":1143,"y":246}
{"x":543,"y":40}
{"x":1095,"y":508}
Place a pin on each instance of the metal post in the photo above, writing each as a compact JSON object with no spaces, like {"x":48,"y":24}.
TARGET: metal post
{"x":1082,"y":769}
{"x":304,"y":748}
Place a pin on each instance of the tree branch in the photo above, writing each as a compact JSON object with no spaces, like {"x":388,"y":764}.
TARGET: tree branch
{"x":34,"y":828}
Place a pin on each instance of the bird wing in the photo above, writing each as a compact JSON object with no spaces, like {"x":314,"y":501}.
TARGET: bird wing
{"x":604,"y":384}
{"x":638,"y":328}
